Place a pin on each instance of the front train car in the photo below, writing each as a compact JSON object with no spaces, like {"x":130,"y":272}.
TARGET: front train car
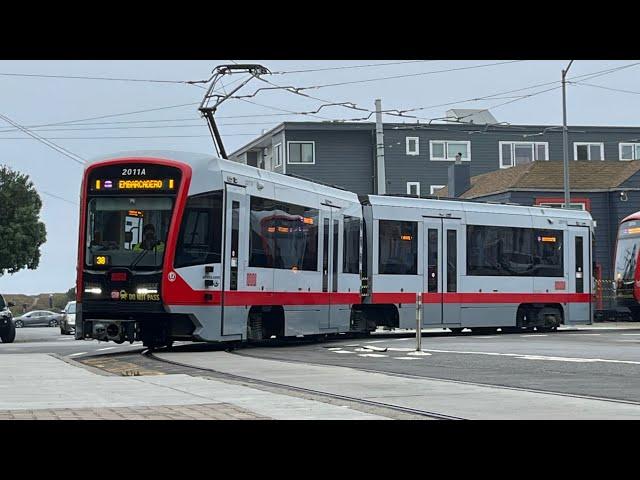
{"x":626,"y":271}
{"x":131,"y":207}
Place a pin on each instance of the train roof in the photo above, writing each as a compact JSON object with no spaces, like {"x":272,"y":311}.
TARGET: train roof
{"x":475,"y":206}
{"x":201,"y":163}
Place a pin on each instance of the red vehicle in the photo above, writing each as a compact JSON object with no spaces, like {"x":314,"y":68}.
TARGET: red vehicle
{"x":626,"y":265}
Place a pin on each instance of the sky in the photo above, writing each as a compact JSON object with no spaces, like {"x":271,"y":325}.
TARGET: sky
{"x":32,"y":95}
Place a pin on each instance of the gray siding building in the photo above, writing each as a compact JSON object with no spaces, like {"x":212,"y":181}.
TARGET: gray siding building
{"x":417,"y":156}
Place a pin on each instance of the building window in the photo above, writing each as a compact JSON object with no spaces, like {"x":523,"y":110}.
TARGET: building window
{"x":413,"y":145}
{"x":398,"y":248}
{"x":588,"y":151}
{"x":629,"y":151}
{"x":553,"y":202}
{"x":413,"y":188}
{"x":517,"y":153}
{"x":446,"y":150}
{"x":434,"y":188}
{"x":302,"y":152}
{"x":277,"y":155}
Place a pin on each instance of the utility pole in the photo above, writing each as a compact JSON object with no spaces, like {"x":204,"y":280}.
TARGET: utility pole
{"x":565,"y":140}
{"x":380,"y":175}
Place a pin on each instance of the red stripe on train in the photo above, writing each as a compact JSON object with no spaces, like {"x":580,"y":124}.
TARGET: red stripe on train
{"x":236,"y":298}
{"x":489,"y":297}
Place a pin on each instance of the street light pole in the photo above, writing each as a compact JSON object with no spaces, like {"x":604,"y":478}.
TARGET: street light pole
{"x":565,"y":140}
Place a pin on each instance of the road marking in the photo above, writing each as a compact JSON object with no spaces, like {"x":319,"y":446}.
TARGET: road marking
{"x":108,"y":348}
{"x":587,"y":334}
{"x":535,"y":335}
{"x":540,"y":357}
{"x":631,"y":334}
{"x":341,"y":351}
{"x":376,"y":341}
{"x":400,"y":349}
{"x":376,"y":355}
{"x":76,"y":354}
{"x":406,"y":358}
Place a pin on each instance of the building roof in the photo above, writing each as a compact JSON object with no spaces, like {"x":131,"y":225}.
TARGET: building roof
{"x":550,"y":176}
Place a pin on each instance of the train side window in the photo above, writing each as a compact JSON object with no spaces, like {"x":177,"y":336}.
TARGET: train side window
{"x":200,"y":237}
{"x":398,"y":247}
{"x":351,"y":245}
{"x":452,"y":261}
{"x":283,"y":235}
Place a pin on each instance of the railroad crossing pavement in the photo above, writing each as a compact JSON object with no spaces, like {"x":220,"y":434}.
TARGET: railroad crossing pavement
{"x":41,"y":386}
{"x":443,"y":397}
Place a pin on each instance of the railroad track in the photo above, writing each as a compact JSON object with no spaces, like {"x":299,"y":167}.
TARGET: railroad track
{"x":319,"y":393}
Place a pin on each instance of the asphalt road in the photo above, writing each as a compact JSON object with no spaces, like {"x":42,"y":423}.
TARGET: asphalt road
{"x":600,"y":363}
{"x":49,"y":340}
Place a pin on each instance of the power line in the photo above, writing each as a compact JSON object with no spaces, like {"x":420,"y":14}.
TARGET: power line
{"x":59,"y":198}
{"x":123,"y":137}
{"x":76,"y":158}
{"x":605,"y":88}
{"x":348,"y":67}
{"x":80,"y":77}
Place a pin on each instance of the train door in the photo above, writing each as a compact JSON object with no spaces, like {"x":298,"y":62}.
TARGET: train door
{"x":578,"y":270}
{"x":432,"y":268}
{"x":452,"y":259}
{"x":235,"y":260}
{"x":330,"y":235}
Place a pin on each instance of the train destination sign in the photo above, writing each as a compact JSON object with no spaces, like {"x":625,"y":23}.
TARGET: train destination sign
{"x":134,"y":184}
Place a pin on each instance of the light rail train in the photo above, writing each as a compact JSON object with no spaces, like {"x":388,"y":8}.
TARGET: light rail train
{"x":181,"y":246}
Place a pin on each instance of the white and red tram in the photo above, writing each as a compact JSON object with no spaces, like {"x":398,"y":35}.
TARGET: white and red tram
{"x":186,"y":246}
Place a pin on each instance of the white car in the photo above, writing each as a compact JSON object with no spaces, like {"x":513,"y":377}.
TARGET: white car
{"x":68,"y":322}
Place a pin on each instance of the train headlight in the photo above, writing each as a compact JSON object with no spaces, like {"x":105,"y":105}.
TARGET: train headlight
{"x":146,"y":289}
{"x":95,"y":289}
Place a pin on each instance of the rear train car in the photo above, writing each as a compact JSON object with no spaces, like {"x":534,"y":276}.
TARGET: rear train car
{"x":478,"y":265}
{"x":626,"y":266}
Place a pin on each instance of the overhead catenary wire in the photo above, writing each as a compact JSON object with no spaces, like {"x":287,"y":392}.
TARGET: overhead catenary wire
{"x":67,"y":153}
{"x":59,"y":198}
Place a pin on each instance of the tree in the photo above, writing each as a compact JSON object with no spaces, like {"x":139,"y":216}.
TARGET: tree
{"x":21,"y":231}
{"x":71,"y":294}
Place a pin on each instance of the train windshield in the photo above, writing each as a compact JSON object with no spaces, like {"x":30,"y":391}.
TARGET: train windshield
{"x":627,"y":252}
{"x":127,"y":231}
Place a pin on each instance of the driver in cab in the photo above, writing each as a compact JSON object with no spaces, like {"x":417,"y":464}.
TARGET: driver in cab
{"x":149,"y":240}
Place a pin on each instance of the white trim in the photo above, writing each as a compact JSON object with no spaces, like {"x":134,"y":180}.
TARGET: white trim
{"x":410,"y":152}
{"x":512,"y":144}
{"x":413,"y":184}
{"x":575,"y":150}
{"x":313,"y":151}
{"x":433,"y":188}
{"x":273,"y":152}
{"x":446,"y":151}
{"x":633,"y":155}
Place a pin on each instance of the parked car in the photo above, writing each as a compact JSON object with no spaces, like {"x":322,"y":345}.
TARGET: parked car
{"x":7,"y":327}
{"x":37,"y":318}
{"x":68,"y":322}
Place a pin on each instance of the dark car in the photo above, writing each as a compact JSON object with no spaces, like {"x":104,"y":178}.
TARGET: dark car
{"x":37,"y":318}
{"x":7,"y":327}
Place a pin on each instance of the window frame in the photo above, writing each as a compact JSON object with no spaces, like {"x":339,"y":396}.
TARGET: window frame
{"x":313,"y":152}
{"x":634,"y":145}
{"x":277,"y":148}
{"x":413,"y":184}
{"x":446,"y":151}
{"x":575,"y":151}
{"x":417,"y":150}
{"x":512,"y":152}
{"x":432,"y":188}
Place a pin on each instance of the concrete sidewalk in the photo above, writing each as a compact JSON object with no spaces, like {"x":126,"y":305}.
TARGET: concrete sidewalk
{"x":457,"y":399}
{"x":42,"y":386}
